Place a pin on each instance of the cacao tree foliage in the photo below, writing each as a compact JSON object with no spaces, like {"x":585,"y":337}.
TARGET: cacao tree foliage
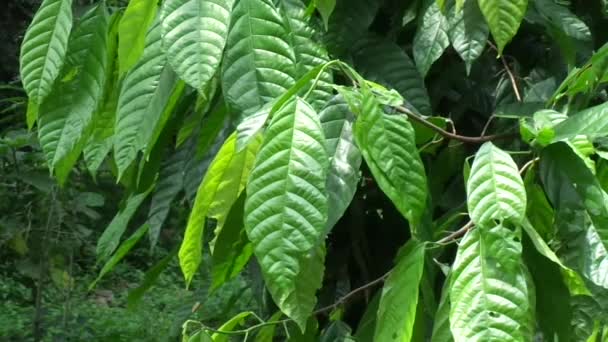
{"x":379,"y":170}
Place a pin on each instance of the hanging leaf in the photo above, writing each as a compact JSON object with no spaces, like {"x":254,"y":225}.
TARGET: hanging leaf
{"x":431,"y":38}
{"x":132,"y":32}
{"x":504,"y":18}
{"x":259,"y":63}
{"x":325,"y":8}
{"x":397,"y":310}
{"x":150,"y":278}
{"x":387,"y":143}
{"x":44,"y":47}
{"x":194,"y":34}
{"x":286,"y":208}
{"x":489,"y":293}
{"x":495,"y":190}
{"x":468,"y":32}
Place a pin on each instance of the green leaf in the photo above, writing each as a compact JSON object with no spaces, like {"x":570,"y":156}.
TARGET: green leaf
{"x":468,"y":32}
{"x":345,"y":158}
{"x":441,"y":326}
{"x":132,"y":32}
{"x":540,"y":244}
{"x":504,"y":18}
{"x":388,"y":145}
{"x":145,"y":93}
{"x":367,"y":324}
{"x":561,"y":18}
{"x":349,"y":22}
{"x":325,"y":8}
{"x":591,"y":122}
{"x":286,"y":208}
{"x":397,"y":310}
{"x":495,"y":190}
{"x":223,"y":183}
{"x":124,"y":248}
{"x":386,"y":63}
{"x":150,"y":278}
{"x":489,"y":293}
{"x":44,"y":47}
{"x":431,"y":38}
{"x":232,"y":323}
{"x":259,"y":63}
{"x":194,"y":34}
{"x":337,"y":331}
{"x":266,"y":334}
{"x":109,"y":239}
{"x":66,"y":115}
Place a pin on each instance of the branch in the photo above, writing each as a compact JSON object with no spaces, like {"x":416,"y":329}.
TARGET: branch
{"x":509,"y":72}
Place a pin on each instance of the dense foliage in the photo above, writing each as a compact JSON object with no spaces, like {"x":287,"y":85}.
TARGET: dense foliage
{"x":374,"y":170}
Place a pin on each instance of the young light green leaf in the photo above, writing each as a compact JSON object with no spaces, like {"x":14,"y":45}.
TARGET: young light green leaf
{"x":286,"y":208}
{"x":504,"y":18}
{"x":468,"y":32}
{"x":397,"y":310}
{"x":345,"y":158}
{"x":67,"y":114}
{"x":495,"y":190}
{"x":232,"y":323}
{"x":194,"y":34}
{"x":388,"y":145}
{"x":489,"y":293}
{"x":132,"y":32}
{"x":431,"y":38}
{"x":124,"y":248}
{"x":44,"y":47}
{"x":145,"y":93}
{"x":223,"y":183}
{"x":259,"y":63}
{"x":325,"y":8}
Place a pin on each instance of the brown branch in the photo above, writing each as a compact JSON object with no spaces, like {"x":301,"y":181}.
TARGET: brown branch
{"x":455,"y":235}
{"x":509,"y":72}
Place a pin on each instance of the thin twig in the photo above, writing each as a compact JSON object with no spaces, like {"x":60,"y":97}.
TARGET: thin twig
{"x":509,"y":72}
{"x":455,"y":235}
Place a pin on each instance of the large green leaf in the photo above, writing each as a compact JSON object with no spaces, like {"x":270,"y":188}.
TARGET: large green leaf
{"x":495,"y":190}
{"x":259,"y":63}
{"x":223,"y":183}
{"x":504,"y":18}
{"x":308,"y":53}
{"x":431,"y":38}
{"x":44,"y":47}
{"x":132,"y":32}
{"x":386,"y":63}
{"x":592,"y":122}
{"x":66,"y":115}
{"x":145,"y":93}
{"x":468,"y":32}
{"x":286,"y":208}
{"x":388,"y":144}
{"x":562,"y":18}
{"x":345,"y":158}
{"x":397,"y":310}
{"x":489,"y":294}
{"x":194,"y":34}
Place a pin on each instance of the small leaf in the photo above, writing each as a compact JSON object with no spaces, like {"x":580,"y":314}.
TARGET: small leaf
{"x":325,"y":8}
{"x":397,"y":310}
{"x":504,"y":18}
{"x":239,"y":319}
{"x":495,"y":189}
{"x":44,"y":47}
{"x":431,"y":38}
{"x":132,"y":32}
{"x":441,"y":326}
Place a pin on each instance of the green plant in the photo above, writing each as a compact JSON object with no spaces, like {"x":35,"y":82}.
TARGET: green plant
{"x":307,"y":126}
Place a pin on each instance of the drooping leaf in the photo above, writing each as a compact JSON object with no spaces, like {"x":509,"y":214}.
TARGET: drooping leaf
{"x":150,"y":278}
{"x":495,"y":190}
{"x":468,"y":32}
{"x":132,"y":32}
{"x":489,"y":293}
{"x":223,"y":183}
{"x":504,"y":18}
{"x":345,"y":158}
{"x":194,"y":34}
{"x":286,"y":208}
{"x":259,"y":63}
{"x":387,"y":143}
{"x":431,"y":38}
{"x":397,"y":310}
{"x":44,"y":47}
{"x":145,"y":93}
{"x":66,"y":115}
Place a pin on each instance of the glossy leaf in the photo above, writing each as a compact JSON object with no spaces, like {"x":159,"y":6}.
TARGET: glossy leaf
{"x":44,"y":47}
{"x":504,"y":18}
{"x":259,"y":63}
{"x":489,"y":293}
{"x":561,"y":17}
{"x":66,"y":115}
{"x":591,"y":122}
{"x":388,"y":145}
{"x":397,"y":310}
{"x":286,"y":208}
{"x":345,"y":158}
{"x":431,"y":38}
{"x":132,"y":32}
{"x":194,"y":35}
{"x":495,"y":189}
{"x":468,"y":32}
